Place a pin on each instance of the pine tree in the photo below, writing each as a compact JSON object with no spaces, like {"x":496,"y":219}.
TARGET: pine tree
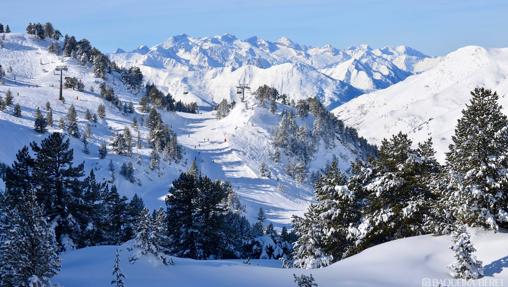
{"x":103,"y":150}
{"x":466,"y":265}
{"x":305,"y":281}
{"x":72,"y":122}
{"x":40,"y":122}
{"x":101,"y":111}
{"x":119,"y":144}
{"x":56,"y":179}
{"x":128,"y":140}
{"x":334,"y":212}
{"x":148,"y":239}
{"x":17,"y":111}
{"x":197,"y":212}
{"x":28,"y":250}
{"x":88,"y":115}
{"x":49,"y":117}
{"x":84,"y":140}
{"x":154,"y":159}
{"x":258,"y":228}
{"x":396,"y":187}
{"x":9,"y":99}
{"x":118,"y":276}
{"x":478,"y":160}
{"x":223,"y":109}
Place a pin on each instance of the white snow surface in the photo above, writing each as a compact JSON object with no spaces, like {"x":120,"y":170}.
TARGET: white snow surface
{"x":429,"y":104}
{"x":208,"y":69}
{"x":404,"y":262}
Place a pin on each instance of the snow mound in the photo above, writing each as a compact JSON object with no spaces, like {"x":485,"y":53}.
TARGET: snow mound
{"x":392,"y":264}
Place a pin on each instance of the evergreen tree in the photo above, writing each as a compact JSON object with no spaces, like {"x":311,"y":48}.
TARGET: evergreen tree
{"x":223,"y":109}
{"x":72,"y":122}
{"x":84,"y":140}
{"x":49,"y":117}
{"x":197,"y":211}
{"x":40,"y":122}
{"x":27,"y":250}
{"x":258,"y":228}
{"x":9,"y":99}
{"x":56,"y":179}
{"x":101,"y":111}
{"x":333,"y":214}
{"x":466,"y":265}
{"x":88,"y":115}
{"x":478,"y":160}
{"x":118,"y":276}
{"x":147,"y":240}
{"x":119,"y":144}
{"x":305,"y":281}
{"x":103,"y":150}
{"x":128,"y":140}
{"x":7,"y":29}
{"x":17,"y":111}
{"x":154,"y":159}
{"x":133,"y":211}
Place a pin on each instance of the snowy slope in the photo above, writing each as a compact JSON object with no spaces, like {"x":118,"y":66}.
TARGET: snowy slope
{"x":208,"y":69}
{"x":232,"y":148}
{"x":429,"y":104}
{"x":396,"y":263}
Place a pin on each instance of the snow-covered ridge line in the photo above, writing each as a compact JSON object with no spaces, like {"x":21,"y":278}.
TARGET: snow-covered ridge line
{"x":208,"y":69}
{"x":428,"y":104}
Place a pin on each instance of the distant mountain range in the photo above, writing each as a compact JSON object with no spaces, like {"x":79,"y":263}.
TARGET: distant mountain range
{"x":208,"y":69}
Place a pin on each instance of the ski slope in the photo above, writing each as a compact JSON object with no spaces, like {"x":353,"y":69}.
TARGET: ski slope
{"x":232,"y":148}
{"x":404,"y":262}
{"x":428,"y":104}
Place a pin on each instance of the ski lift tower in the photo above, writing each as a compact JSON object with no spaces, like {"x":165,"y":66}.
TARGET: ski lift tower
{"x":240,"y":89}
{"x":61,"y":69}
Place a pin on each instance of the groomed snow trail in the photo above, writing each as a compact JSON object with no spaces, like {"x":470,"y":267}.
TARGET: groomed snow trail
{"x":213,"y":145}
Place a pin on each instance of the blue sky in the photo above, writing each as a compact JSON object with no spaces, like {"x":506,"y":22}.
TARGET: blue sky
{"x":431,"y":26}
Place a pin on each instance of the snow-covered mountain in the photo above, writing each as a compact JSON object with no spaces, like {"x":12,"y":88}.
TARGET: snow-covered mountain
{"x":232,"y":148}
{"x":208,"y":69}
{"x":428,"y":104}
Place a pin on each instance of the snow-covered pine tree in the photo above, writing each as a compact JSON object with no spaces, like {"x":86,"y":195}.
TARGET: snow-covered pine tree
{"x":9,"y":99}
{"x":128,"y":140}
{"x":88,"y":115}
{"x":154,"y":159}
{"x":478,"y":161}
{"x":258,"y":229}
{"x":396,"y":188}
{"x":335,"y":211}
{"x":103,"y":150}
{"x":118,"y":276}
{"x":101,"y":111}
{"x":309,"y":248}
{"x":55,"y":179}
{"x":466,"y":265}
{"x":17,"y":110}
{"x":147,"y":240}
{"x":223,"y":109}
{"x":305,"y":280}
{"x":72,"y":122}
{"x":27,"y":249}
{"x":197,"y":210}
{"x":119,"y":145}
{"x":49,"y":117}
{"x":40,"y":123}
